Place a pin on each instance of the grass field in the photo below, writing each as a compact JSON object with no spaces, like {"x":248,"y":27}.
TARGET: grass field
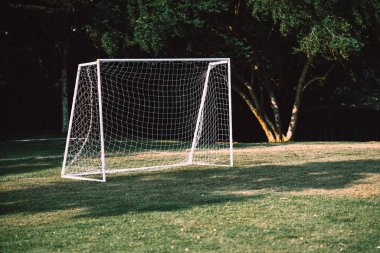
{"x":297,"y":197}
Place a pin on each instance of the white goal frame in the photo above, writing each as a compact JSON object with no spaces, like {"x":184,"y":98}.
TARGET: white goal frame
{"x":83,"y":175}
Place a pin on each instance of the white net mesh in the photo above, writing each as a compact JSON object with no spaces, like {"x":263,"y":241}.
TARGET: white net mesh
{"x":155,"y":114}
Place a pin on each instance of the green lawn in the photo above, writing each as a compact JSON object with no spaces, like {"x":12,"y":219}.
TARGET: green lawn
{"x":297,"y":197}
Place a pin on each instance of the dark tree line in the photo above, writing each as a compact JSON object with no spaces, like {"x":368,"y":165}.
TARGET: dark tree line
{"x":282,"y":51}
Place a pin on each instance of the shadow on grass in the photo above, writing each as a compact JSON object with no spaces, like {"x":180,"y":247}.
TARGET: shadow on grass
{"x":29,"y":165}
{"x":28,"y":157}
{"x":181,"y":189}
{"x":15,"y":149}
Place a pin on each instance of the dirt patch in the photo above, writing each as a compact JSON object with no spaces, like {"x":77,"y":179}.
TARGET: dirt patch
{"x":370,"y":186}
{"x":245,"y":193}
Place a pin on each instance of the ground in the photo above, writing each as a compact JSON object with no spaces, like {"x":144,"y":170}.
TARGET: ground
{"x":295,"y":197}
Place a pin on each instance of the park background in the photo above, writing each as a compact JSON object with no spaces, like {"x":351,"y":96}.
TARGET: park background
{"x":305,"y":71}
{"x":42,"y":42}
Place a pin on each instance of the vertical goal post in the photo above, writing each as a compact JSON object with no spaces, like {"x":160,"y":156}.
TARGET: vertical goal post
{"x":148,"y":114}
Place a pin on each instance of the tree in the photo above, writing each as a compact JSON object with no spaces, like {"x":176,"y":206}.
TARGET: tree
{"x":280,"y":49}
{"x":135,"y":28}
{"x":302,"y":37}
{"x":55,"y":22}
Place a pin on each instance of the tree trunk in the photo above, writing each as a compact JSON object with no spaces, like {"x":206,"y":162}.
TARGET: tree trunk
{"x":256,"y":112}
{"x":273,"y":131}
{"x":277,"y":117}
{"x":297,"y":102}
{"x":268,"y":133}
{"x":65,"y":108}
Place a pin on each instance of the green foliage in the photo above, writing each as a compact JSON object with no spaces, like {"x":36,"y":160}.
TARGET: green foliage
{"x":54,"y":7}
{"x":320,"y":28}
{"x":331,"y":39}
{"x":112,"y":41}
{"x":331,"y":29}
{"x":155,"y":22}
{"x":311,"y":28}
{"x":366,"y":16}
{"x":149,"y":25}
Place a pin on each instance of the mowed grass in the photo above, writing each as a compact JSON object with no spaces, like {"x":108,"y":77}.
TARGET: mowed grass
{"x":296,"y":197}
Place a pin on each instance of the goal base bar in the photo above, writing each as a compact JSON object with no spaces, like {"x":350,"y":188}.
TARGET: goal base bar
{"x":79,"y":176}
{"x":210,"y":164}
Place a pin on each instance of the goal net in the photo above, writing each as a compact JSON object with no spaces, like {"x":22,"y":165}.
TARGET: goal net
{"x":146,"y":114}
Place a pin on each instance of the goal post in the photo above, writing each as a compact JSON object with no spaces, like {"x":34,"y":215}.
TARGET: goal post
{"x":147,"y":114}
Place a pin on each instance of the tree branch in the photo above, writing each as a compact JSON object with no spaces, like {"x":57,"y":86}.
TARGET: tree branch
{"x":265,"y":116}
{"x":250,"y":91}
{"x":277,"y":127}
{"x":318,"y":78}
{"x":297,"y":101}
{"x":254,"y":110}
{"x":260,"y":106}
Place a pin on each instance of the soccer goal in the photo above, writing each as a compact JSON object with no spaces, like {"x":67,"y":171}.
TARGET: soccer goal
{"x":148,"y":114}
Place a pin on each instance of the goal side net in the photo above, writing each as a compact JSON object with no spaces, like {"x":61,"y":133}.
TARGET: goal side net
{"x":148,"y":114}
